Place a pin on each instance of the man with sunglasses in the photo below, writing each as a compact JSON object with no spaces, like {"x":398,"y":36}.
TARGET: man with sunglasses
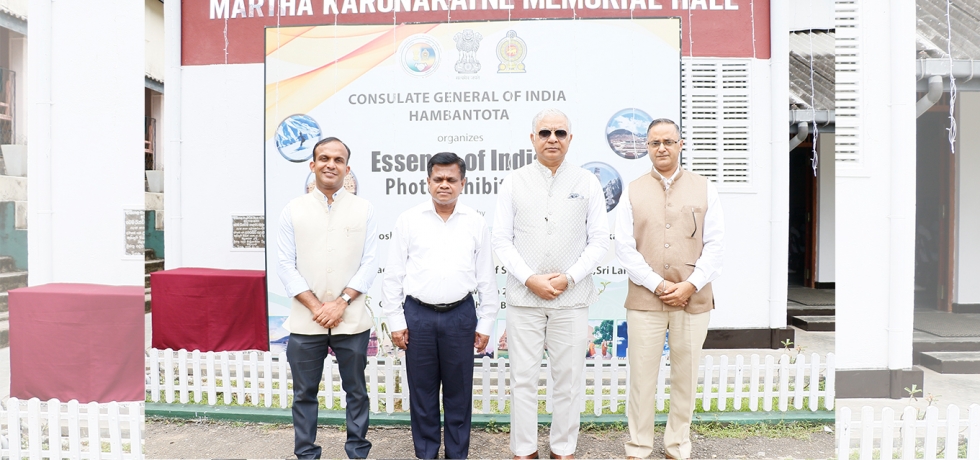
{"x":550,"y":232}
{"x":669,"y":238}
{"x":327,"y":245}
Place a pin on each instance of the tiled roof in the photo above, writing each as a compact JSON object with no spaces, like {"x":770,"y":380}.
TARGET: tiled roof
{"x":816,"y":47}
{"x":933,"y":32}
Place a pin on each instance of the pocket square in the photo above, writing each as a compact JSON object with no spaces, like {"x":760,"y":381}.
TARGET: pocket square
{"x":574,"y":196}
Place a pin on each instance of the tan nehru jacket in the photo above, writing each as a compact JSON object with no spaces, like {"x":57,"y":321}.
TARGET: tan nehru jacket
{"x":329,"y":244}
{"x":668,"y":228}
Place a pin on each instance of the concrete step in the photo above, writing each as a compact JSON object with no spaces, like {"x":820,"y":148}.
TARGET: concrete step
{"x":3,"y":303}
{"x":7,"y":264}
{"x":153,"y":265}
{"x":952,"y":362}
{"x":807,"y":310}
{"x":814,"y":323}
{"x":146,"y":280}
{"x":12,"y":280}
{"x":920,"y":346}
{"x":146,"y":306}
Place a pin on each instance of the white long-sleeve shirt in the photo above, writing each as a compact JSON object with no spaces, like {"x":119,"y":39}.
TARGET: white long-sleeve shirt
{"x":295,"y":284}
{"x":706,"y":269}
{"x":439,"y":262}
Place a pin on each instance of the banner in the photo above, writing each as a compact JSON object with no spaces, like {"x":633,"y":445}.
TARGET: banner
{"x":398,"y":94}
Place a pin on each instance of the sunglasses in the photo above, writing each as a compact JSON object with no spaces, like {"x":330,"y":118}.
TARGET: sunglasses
{"x":559,"y":133}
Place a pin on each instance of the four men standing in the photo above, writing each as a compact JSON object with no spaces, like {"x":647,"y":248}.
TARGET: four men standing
{"x":550,"y":232}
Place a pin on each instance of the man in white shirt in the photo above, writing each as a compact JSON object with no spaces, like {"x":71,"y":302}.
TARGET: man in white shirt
{"x":439,"y":255}
{"x":669,"y":238}
{"x":550,"y":232}
{"x":327,"y":246}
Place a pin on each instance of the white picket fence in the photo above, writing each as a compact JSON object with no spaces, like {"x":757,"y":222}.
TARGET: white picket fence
{"x":52,"y":429}
{"x":905,"y":435}
{"x":262,"y":379}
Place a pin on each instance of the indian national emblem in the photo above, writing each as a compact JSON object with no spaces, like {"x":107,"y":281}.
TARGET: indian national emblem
{"x":467,"y":42}
{"x":511,"y":51}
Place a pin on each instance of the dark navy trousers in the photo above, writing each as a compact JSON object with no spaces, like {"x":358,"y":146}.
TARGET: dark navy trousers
{"x":440,"y":352}
{"x":305,"y":354}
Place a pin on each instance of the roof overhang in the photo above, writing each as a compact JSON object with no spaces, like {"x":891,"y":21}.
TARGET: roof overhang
{"x":824,"y":119}
{"x":966,"y":71}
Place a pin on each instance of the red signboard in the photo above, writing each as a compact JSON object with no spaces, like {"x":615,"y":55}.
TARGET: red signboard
{"x":231,"y":31}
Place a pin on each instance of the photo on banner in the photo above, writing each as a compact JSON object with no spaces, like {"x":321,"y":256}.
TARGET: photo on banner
{"x":397,"y":94}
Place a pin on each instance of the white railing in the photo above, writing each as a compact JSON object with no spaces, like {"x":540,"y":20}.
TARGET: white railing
{"x":263,"y":379}
{"x":53,"y":429}
{"x":906,"y":435}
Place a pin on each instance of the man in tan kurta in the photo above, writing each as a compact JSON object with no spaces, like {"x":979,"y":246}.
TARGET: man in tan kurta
{"x":669,"y":240}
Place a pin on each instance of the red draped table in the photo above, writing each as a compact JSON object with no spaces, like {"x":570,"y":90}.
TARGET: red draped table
{"x":209,"y":310}
{"x":77,"y":341}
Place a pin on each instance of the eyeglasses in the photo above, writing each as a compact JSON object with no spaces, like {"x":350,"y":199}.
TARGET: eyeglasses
{"x":559,"y":133}
{"x":666,"y":142}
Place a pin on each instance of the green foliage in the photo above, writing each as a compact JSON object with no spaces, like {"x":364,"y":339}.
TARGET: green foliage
{"x":800,"y":430}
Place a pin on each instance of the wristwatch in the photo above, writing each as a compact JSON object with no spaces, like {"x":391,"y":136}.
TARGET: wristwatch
{"x":346,"y":298}
{"x":571,"y":282}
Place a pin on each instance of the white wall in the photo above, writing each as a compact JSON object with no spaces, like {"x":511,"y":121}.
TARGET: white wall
{"x":154,"y":39}
{"x":222,"y":124}
{"x":967,"y":260}
{"x":875,"y":217}
{"x":811,"y":14}
{"x":826,"y":223}
{"x":95,"y":134}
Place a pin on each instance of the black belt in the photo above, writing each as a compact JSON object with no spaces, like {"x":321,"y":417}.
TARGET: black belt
{"x":442,"y":307}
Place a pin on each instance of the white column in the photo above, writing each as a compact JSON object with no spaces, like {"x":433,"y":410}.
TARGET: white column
{"x":39,"y":246}
{"x":826,"y":219}
{"x":779,"y":217}
{"x":876,"y":198}
{"x":172,"y":178}
{"x":901,"y":231}
{"x":967,"y":259}
{"x":88,"y":169}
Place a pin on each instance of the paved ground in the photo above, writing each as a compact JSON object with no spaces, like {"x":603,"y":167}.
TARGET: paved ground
{"x":180,"y":439}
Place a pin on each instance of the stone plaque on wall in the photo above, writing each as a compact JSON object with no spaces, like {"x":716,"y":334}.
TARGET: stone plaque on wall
{"x":135,"y":233}
{"x":248,"y":232}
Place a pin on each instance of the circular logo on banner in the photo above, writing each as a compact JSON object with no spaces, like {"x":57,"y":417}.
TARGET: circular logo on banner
{"x":609,"y":179}
{"x":626,"y":133}
{"x":350,"y":182}
{"x":420,"y":55}
{"x":296,"y":136}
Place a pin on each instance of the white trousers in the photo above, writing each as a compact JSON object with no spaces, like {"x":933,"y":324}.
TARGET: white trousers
{"x":565,"y":334}
{"x":646,"y":330}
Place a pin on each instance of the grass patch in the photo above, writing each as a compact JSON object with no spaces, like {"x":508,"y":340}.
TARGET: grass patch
{"x":800,"y":430}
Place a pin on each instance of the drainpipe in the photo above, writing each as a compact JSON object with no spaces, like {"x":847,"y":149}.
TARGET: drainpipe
{"x":901,"y":266}
{"x":779,"y":146}
{"x":40,"y":245}
{"x":802,"y":131}
{"x":931,"y":97}
{"x":172,"y":197}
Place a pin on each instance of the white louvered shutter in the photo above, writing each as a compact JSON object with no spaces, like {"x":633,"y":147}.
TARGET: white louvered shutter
{"x":715,"y":111}
{"x":848,"y":76}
